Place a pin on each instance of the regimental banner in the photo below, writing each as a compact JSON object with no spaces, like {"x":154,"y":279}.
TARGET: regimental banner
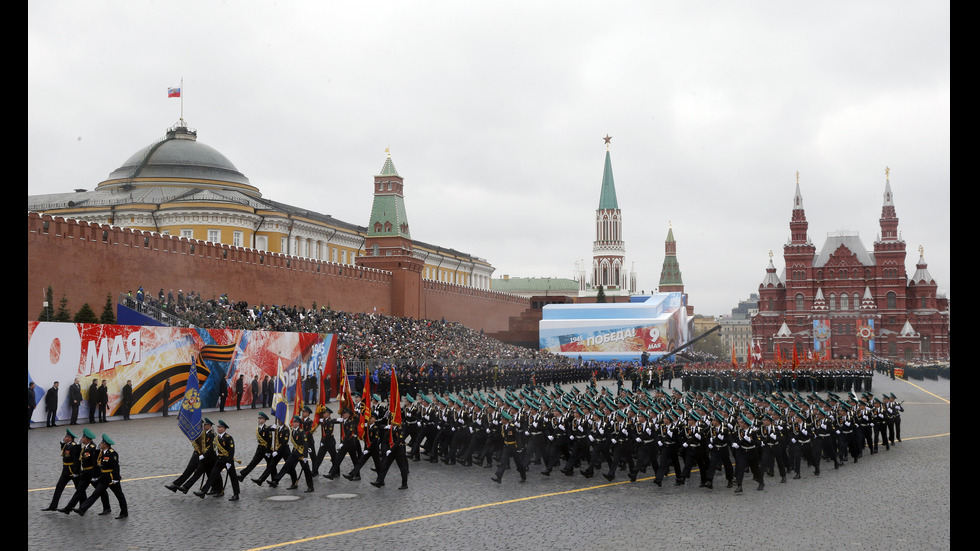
{"x":866,"y":332}
{"x":821,"y":336}
{"x":148,"y":356}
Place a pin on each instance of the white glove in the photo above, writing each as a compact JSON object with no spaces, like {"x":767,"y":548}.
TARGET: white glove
{"x":550,"y":438}
{"x":200,"y":458}
{"x":735,"y":446}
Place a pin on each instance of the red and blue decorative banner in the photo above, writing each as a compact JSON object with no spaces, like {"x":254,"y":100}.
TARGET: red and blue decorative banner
{"x":150,"y":356}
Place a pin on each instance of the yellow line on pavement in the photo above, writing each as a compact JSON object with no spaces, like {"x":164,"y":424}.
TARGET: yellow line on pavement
{"x":929,"y":436}
{"x":927,"y":392}
{"x":29,"y":490}
{"x":442,"y":513}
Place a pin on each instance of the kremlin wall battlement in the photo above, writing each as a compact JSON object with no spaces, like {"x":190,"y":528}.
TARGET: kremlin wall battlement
{"x":87,"y":261}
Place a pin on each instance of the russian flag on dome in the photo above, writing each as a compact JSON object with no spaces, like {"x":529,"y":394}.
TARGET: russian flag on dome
{"x":173,"y":92}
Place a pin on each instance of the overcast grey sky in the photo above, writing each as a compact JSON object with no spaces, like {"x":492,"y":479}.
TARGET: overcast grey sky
{"x":495,"y":112}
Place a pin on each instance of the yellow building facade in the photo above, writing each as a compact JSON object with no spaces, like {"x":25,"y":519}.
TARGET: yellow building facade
{"x":179,"y":186}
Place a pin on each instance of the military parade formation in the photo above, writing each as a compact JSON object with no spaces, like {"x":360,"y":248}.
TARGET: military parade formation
{"x":765,"y":423}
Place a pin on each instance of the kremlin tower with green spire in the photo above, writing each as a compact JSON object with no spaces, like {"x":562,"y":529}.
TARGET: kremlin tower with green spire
{"x":609,"y":248}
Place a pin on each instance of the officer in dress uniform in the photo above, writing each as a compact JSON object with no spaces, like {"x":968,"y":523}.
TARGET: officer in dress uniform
{"x":328,"y":442}
{"x":280,"y":451}
{"x":70,"y":468}
{"x":88,"y":456}
{"x":512,"y":448}
{"x":263,"y":448}
{"x":394,"y":453}
{"x":349,"y":445}
{"x":300,"y":456}
{"x":109,"y":479}
{"x":205,"y":455}
{"x":746,"y":454}
{"x":224,"y":448}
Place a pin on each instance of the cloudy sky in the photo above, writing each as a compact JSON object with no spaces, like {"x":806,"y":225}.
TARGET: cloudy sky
{"x":495,"y":113}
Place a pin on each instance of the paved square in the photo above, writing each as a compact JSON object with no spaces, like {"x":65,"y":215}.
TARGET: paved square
{"x":894,"y":500}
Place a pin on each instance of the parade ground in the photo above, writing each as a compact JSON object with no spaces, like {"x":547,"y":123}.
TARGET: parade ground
{"x":894,"y":500}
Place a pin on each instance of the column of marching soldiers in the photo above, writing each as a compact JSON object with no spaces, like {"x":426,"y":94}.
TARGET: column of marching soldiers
{"x":592,"y":431}
{"x":759,"y":424}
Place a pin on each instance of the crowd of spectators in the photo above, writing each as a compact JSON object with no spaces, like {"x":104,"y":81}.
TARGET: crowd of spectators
{"x":360,"y":336}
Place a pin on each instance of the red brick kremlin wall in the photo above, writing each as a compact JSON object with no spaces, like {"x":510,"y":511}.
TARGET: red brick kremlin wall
{"x":85,"y":262}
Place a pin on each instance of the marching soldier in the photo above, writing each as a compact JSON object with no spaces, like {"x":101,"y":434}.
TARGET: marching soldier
{"x":508,"y":433}
{"x":204,"y":449}
{"x":263,"y":448}
{"x":88,"y":456}
{"x":109,"y":479}
{"x":70,"y":468}
{"x":280,"y":451}
{"x":302,"y":445}
{"x":224,"y":448}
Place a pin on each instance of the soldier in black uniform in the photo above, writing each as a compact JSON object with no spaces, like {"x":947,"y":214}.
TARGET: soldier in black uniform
{"x":512,"y":448}
{"x":263,"y":448}
{"x":349,"y":444}
{"x":746,"y":454}
{"x":109,"y":479}
{"x":70,"y":468}
{"x":719,"y":440}
{"x":394,"y":453}
{"x":204,"y":450}
{"x":328,"y":442}
{"x":88,"y":456}
{"x":300,"y":456}
{"x":224,"y":448}
{"x":280,"y":451}
{"x":374,"y":430}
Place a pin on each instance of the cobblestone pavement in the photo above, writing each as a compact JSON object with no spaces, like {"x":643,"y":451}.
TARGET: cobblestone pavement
{"x":895,"y":500}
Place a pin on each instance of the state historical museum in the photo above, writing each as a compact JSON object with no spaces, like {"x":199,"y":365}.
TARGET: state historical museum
{"x":847,"y":302}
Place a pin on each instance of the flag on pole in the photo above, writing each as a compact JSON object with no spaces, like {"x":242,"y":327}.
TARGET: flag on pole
{"x":279,"y":405}
{"x":173,"y":92}
{"x":298,"y":403}
{"x":343,"y":390}
{"x":189,"y":417}
{"x":362,"y":427}
{"x":734,"y":359}
{"x":796,"y":357}
{"x":321,"y":401}
{"x":395,"y":404}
